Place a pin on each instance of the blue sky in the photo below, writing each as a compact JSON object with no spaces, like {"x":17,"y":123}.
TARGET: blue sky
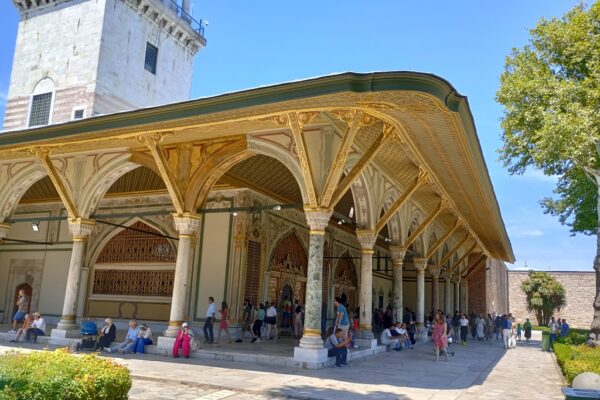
{"x":266,"y":42}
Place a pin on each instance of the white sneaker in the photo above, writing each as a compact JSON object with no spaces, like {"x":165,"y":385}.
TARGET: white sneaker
{"x":108,"y":350}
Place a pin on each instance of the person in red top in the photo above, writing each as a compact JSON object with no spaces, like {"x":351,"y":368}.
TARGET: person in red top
{"x":183,"y":341}
{"x":223,"y":324}
{"x":440,"y":339}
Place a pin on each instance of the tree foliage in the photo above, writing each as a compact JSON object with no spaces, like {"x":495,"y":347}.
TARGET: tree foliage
{"x":545,"y":295}
{"x":550,"y":90}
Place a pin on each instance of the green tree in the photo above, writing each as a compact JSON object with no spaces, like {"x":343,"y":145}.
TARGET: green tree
{"x":545,"y":295}
{"x":550,"y":90}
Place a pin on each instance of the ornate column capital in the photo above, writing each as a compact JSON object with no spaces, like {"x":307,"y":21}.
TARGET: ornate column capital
{"x":81,"y":228}
{"x":367,"y":239}
{"x":397,"y":253}
{"x":420,"y":264}
{"x":456,"y":279}
{"x":4,"y":228}
{"x":317,"y":219}
{"x":435,"y":271}
{"x":447,"y":276}
{"x":186,"y":224}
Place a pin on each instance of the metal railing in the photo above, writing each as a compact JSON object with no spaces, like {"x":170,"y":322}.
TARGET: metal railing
{"x":198,"y":26}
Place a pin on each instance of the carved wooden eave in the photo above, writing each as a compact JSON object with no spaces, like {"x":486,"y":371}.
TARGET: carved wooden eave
{"x":432,"y":127}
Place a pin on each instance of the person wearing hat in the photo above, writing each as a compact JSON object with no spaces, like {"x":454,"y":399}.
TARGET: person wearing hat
{"x":38,"y":328}
{"x":108,"y":334}
{"x":144,"y":339}
{"x":183,"y":341}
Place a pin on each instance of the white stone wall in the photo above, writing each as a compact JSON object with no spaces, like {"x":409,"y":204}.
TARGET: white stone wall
{"x":61,"y":42}
{"x":121,"y":73}
{"x":580,"y":289}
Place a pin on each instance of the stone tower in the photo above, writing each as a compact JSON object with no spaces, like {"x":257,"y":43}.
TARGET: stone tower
{"x":79,"y":58}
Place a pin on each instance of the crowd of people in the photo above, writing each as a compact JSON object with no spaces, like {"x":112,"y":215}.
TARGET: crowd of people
{"x":32,"y":325}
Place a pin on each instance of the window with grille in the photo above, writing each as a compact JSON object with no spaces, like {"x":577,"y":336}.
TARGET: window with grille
{"x":151,"y":58}
{"x":40,"y":109}
{"x":78,"y":113}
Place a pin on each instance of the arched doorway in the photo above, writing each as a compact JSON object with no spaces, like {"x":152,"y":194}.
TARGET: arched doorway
{"x":287,"y":276}
{"x":26,"y":287}
{"x":345,"y":281}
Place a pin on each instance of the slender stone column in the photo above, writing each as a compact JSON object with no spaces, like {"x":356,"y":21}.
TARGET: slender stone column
{"x":421,"y":266}
{"x":465,"y":296}
{"x":366,"y":239}
{"x":80,"y":229}
{"x":447,"y":294}
{"x":317,"y":221}
{"x":457,"y":304}
{"x":186,"y":225}
{"x":398,"y":253}
{"x":435,"y":287}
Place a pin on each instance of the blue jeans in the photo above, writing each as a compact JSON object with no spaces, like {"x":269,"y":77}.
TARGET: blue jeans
{"x":209,"y":336}
{"x":35,"y":332}
{"x":138,"y":347}
{"x":340,"y":354}
{"x":552,"y":339}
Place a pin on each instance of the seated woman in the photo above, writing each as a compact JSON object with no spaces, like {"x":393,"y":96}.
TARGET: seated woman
{"x":144,"y":339}
{"x":108,"y":334}
{"x":404,"y":339}
{"x":389,"y":340}
{"x":27,"y":321}
{"x":183,"y":341}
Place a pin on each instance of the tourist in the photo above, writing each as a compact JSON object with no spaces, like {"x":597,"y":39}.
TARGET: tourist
{"x":298,"y":325}
{"x":406,"y":317}
{"x":108,"y":334}
{"x":248,"y":320}
{"x":287,"y":312}
{"x":211,"y":312}
{"x":144,"y":339}
{"x":473,"y":324}
{"x":506,"y":329}
{"x":519,"y":331}
{"x":224,"y":322}
{"x":440,"y":340}
{"x":38,"y":328}
{"x":498,"y":327}
{"x":527,"y":328}
{"x":403,"y":335}
{"x":27,"y":321}
{"x":553,"y":330}
{"x":480,"y":328}
{"x":258,"y":323}
{"x":271,"y":318}
{"x":341,"y":321}
{"x":489,"y":327}
{"x":338,"y":348}
{"x":412,"y":332}
{"x":564,"y":328}
{"x":388,"y":316}
{"x":183,"y":341}
{"x":464,"y":329}
{"x":22,"y":308}
{"x":127,"y":345}
{"x":389,"y":340}
{"x":456,"y":326}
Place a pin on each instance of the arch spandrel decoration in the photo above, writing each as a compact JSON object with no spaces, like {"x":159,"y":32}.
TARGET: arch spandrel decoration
{"x":135,"y":246}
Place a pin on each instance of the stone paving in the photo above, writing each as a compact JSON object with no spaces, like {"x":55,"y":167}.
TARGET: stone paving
{"x":479,"y":370}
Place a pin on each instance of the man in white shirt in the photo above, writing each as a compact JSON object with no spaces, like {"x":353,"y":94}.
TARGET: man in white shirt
{"x":553,"y":330}
{"x":210,"y":319}
{"x":389,"y":340}
{"x":38,"y":328}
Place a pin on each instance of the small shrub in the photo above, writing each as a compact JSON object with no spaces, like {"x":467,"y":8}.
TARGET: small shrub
{"x":573,"y":360}
{"x":60,"y":375}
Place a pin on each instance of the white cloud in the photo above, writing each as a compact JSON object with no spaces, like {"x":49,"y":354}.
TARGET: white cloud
{"x":538,"y":176}
{"x":533,"y":232}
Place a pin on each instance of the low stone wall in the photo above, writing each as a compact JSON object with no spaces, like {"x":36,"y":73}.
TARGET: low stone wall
{"x":580,"y":289}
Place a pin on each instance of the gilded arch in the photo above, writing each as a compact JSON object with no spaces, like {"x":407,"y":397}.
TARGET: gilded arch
{"x":16,"y":185}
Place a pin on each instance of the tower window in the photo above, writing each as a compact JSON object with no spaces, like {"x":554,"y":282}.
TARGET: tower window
{"x":39,"y":113}
{"x":78,"y":113}
{"x":151,"y":58}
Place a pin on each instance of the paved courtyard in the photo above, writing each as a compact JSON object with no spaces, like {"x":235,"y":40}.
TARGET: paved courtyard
{"x":478,"y":371}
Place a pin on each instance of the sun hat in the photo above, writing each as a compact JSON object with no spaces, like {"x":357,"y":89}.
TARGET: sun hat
{"x":184,"y":325}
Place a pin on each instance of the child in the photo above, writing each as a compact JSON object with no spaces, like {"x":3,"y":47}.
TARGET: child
{"x":519,"y":331}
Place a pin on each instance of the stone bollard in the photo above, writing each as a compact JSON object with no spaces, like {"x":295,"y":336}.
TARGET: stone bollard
{"x":587,"y":381}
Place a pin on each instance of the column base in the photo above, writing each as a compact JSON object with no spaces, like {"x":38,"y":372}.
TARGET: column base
{"x":311,"y":358}
{"x":366,"y":343}
{"x":164,"y":345}
{"x":63,"y":337}
{"x":422,"y":334}
{"x":311,"y":342}
{"x":172,"y":329}
{"x":67,"y":324}
{"x":366,"y":334}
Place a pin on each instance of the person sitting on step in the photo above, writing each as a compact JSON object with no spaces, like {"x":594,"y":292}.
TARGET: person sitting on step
{"x":183,"y":341}
{"x":389,"y":340}
{"x":338,"y":347}
{"x":27,"y":321}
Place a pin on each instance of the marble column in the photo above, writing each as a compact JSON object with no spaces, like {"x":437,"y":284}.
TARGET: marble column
{"x":317,"y":221}
{"x":457,"y":304}
{"x":465,"y":296}
{"x":447,"y":294}
{"x":367,"y":239}
{"x":80,"y":229}
{"x":421,"y":266}
{"x":435,"y":287}
{"x":186,"y":225}
{"x":398,"y":253}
